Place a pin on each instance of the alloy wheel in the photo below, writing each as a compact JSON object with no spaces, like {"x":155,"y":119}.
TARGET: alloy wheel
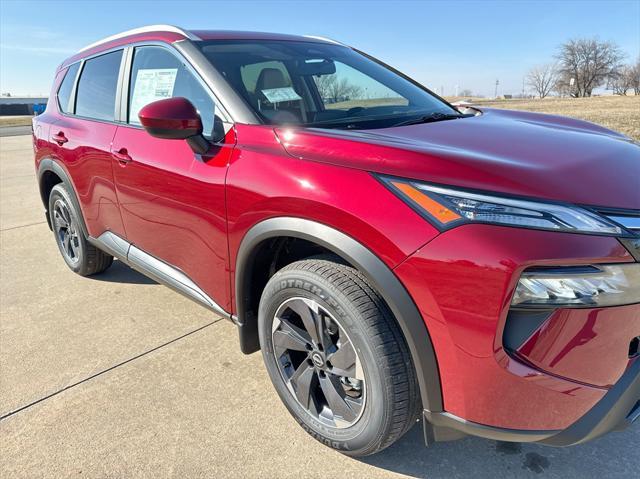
{"x":318,"y":362}
{"x":67,"y":232}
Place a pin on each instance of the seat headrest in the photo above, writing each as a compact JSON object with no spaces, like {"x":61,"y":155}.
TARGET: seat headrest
{"x":270,"y":78}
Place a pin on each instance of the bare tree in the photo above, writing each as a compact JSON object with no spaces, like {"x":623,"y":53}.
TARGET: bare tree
{"x":589,"y":62}
{"x":466,"y":92}
{"x":634,"y":77}
{"x":337,"y":89}
{"x":622,"y":81}
{"x":543,"y":79}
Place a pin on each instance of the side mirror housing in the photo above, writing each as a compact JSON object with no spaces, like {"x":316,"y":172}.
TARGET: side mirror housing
{"x":174,"y":119}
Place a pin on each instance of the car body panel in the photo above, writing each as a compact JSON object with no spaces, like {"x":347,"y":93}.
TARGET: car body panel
{"x":266,"y":182}
{"x":587,"y":345}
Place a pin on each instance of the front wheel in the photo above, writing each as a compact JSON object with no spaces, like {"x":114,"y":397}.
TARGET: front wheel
{"x":337,"y":357}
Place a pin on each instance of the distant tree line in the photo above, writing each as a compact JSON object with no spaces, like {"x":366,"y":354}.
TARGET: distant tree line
{"x":582,"y":65}
{"x":336,"y":89}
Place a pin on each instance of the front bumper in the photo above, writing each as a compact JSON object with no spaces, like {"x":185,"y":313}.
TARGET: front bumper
{"x":617,"y":410}
{"x":558,"y":380}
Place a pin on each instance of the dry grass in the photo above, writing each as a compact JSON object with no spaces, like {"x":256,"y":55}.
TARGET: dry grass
{"x":367,"y":103}
{"x":15,"y":120}
{"x":619,"y":113}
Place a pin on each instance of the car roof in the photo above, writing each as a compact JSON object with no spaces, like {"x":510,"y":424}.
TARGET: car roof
{"x":171,"y":34}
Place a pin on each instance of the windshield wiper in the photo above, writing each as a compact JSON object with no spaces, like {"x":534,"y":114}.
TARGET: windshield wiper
{"x":437,"y":116}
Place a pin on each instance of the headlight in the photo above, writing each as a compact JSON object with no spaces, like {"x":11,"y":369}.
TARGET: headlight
{"x":593,"y":286}
{"x":448,"y":207}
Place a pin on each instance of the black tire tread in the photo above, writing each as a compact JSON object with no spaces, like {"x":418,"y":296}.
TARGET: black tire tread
{"x":97,"y":260}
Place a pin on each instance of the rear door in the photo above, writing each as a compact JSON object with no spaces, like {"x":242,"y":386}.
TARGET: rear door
{"x":82,"y":137}
{"x":172,"y":200}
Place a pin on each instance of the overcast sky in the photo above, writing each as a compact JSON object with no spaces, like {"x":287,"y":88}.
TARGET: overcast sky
{"x":441,"y":44}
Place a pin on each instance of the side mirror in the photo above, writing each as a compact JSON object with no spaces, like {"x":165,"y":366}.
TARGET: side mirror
{"x":174,"y":119}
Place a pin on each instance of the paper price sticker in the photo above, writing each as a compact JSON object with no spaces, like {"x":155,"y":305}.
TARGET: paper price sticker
{"x":151,"y":85}
{"x":277,"y":95}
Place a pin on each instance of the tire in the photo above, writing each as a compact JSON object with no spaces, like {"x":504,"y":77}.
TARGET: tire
{"x":379,"y":386}
{"x":81,"y":256}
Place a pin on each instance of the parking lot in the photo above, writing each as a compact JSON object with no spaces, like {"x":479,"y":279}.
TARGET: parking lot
{"x":116,"y":376}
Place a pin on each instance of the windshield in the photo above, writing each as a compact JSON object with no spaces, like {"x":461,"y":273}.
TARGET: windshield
{"x":319,"y":85}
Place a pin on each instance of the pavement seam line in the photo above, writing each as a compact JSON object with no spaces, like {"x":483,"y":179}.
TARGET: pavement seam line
{"x":30,"y":175}
{"x":22,"y":226}
{"x":100,"y":373}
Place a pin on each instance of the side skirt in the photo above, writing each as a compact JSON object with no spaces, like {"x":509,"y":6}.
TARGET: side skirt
{"x":156,"y":269}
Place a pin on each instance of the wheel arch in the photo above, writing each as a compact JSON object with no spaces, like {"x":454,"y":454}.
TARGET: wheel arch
{"x":379,"y":274}
{"x":51,"y":173}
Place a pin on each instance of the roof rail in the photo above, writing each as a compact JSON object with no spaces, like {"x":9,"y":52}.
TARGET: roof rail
{"x":150,"y":28}
{"x":325,"y":39}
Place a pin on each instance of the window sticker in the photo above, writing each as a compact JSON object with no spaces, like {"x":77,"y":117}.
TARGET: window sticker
{"x":151,"y":85}
{"x":277,"y":95}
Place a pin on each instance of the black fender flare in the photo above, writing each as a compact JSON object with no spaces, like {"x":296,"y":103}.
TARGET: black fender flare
{"x":378,"y":273}
{"x":49,"y":164}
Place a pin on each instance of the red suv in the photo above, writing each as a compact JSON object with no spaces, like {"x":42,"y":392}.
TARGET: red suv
{"x":392,"y":256}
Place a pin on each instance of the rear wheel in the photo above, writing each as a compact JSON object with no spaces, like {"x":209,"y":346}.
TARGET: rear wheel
{"x":337,"y":357}
{"x":80,"y":255}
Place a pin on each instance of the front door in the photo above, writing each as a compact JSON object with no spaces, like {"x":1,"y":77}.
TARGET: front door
{"x":172,"y":200}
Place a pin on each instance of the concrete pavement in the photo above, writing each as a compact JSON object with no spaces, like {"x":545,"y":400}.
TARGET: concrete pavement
{"x":117,"y":376}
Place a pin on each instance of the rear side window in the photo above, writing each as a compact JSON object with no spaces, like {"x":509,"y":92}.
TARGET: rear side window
{"x":157,"y":74}
{"x":64,"y":92}
{"x":96,"y":97}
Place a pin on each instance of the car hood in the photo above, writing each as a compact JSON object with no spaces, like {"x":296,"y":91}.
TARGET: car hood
{"x":518,"y":153}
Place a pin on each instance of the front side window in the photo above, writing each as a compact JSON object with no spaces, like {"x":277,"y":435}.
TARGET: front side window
{"x":157,"y":74}
{"x":66,"y":87}
{"x":319,"y":84}
{"x":350,"y":88}
{"x":96,"y":97}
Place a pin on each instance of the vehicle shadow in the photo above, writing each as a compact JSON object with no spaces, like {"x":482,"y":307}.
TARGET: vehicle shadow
{"x":121,"y":273}
{"x":612,"y":456}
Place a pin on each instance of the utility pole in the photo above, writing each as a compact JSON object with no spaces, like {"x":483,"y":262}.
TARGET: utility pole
{"x":496,"y":92}
{"x":522,"y":87}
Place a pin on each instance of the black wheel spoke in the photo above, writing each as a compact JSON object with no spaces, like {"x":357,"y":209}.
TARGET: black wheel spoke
{"x":287,"y":336}
{"x":301,"y":381}
{"x":335,"y":396}
{"x":66,"y":243}
{"x":65,"y":214}
{"x":59,"y":221}
{"x":343,"y":361}
{"x":309,"y":318}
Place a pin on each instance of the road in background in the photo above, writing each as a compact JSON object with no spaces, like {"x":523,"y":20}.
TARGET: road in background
{"x":15,"y":130}
{"x":117,"y":376}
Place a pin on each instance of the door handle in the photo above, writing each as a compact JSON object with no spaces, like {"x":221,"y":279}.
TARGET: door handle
{"x":122,"y":156}
{"x":59,"y":138}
